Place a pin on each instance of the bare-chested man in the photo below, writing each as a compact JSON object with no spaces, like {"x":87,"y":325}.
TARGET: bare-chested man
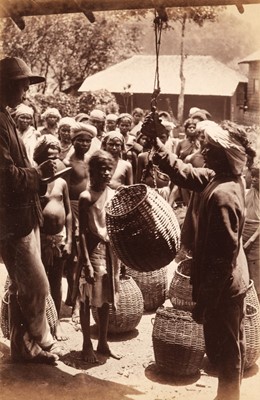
{"x":81,"y":136}
{"x":56,"y":232}
{"x":122,"y":170}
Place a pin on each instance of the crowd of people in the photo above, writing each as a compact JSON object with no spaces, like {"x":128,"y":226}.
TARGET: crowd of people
{"x":55,"y":182}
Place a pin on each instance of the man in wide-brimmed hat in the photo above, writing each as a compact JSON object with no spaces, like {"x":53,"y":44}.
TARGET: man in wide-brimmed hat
{"x":20,"y":217}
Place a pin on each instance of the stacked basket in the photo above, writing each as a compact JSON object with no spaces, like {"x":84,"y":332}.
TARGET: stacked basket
{"x":180,"y":295}
{"x":153,"y":286}
{"x":51,"y":312}
{"x":180,"y":290}
{"x":178,"y":340}
{"x":129,"y":310}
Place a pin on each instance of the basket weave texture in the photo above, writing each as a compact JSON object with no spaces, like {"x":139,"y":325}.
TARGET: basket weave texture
{"x":51,"y":312}
{"x":178,"y":342}
{"x":180,"y":290}
{"x":142,"y":228}
{"x":252,"y":326}
{"x":129,"y":310}
{"x":153,"y":286}
{"x":251,"y":296}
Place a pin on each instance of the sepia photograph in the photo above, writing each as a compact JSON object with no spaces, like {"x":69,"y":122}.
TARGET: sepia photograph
{"x":129,"y":199}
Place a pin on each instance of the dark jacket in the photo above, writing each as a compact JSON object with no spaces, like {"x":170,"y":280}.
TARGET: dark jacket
{"x":20,"y":209}
{"x":219,"y":269}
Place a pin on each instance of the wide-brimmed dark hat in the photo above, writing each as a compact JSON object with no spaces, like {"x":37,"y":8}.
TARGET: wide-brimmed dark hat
{"x":14,"y":68}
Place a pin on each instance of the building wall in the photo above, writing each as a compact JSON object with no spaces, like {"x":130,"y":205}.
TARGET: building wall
{"x":254,"y":87}
{"x":219,"y":107}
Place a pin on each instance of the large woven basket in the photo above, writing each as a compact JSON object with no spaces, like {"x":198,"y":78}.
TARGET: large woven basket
{"x":252,"y":333}
{"x":129,"y":309}
{"x":180,"y":290}
{"x":153,"y":286}
{"x":51,"y":312}
{"x":142,"y":228}
{"x":251,"y":296}
{"x":178,"y":342}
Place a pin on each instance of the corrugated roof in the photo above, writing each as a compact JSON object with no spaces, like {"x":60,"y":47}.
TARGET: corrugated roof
{"x":204,"y":76}
{"x":252,"y":57}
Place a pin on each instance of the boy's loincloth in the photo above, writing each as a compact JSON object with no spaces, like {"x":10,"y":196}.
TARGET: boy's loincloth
{"x":106,"y":286}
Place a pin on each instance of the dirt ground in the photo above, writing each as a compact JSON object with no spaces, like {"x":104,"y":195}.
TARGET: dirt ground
{"x":134,"y":377}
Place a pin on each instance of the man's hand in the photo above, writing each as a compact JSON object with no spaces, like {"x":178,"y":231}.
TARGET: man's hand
{"x":47,"y":169}
{"x":152,"y":126}
{"x":198,"y":313}
{"x":89,"y":273}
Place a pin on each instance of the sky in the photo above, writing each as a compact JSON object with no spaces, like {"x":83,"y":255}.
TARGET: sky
{"x":251,"y":14}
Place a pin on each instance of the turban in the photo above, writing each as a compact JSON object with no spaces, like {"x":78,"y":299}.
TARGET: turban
{"x":193,"y":110}
{"x":81,"y":117}
{"x":124,"y":115}
{"x":51,"y":112}
{"x":201,"y":114}
{"x":112,"y":117}
{"x":222,"y":138}
{"x":168,"y":124}
{"x":67,"y":121}
{"x":115,"y":135}
{"x":98,"y":115}
{"x":80,"y":128}
{"x":23,"y":109}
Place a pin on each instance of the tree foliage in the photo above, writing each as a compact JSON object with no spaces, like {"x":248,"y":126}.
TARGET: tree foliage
{"x":69,"y":105}
{"x":196,"y":15}
{"x":67,"y":48}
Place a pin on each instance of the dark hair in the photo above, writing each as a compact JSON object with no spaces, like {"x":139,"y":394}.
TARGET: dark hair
{"x":138,"y":110}
{"x":189,"y":122}
{"x":97,"y":159}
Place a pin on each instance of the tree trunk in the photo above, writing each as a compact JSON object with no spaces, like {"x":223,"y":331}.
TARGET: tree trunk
{"x":182,"y":77}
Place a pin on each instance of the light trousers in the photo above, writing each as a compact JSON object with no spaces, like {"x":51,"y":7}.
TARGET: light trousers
{"x":29,"y":329}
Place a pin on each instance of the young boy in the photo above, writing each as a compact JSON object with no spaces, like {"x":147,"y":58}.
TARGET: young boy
{"x":56,"y":232}
{"x":99,"y":280}
{"x":81,"y":136}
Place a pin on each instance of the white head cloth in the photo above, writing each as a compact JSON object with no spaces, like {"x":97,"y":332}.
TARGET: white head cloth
{"x":221,"y":138}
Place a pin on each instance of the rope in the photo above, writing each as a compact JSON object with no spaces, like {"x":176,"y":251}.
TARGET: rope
{"x":159,"y":20}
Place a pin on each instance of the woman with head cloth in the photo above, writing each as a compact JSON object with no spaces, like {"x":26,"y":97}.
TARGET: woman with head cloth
{"x":24,"y":120}
{"x":51,"y":118}
{"x":64,"y":135}
{"x":111,"y":122}
{"x":219,"y":274}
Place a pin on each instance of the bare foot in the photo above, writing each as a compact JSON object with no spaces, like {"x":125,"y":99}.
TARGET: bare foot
{"x":58,"y":333}
{"x":75,"y":315}
{"x":105,"y":350}
{"x":89,"y":356}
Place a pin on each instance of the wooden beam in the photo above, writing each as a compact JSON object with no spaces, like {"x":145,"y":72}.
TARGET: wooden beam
{"x":20,"y":8}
